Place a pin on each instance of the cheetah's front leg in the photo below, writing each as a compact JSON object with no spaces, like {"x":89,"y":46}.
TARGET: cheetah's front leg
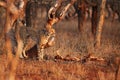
{"x":40,"y":52}
{"x":46,"y":40}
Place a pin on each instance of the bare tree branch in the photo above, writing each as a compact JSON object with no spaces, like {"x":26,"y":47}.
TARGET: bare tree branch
{"x":52,"y":11}
{"x":49,"y":39}
{"x":52,"y":19}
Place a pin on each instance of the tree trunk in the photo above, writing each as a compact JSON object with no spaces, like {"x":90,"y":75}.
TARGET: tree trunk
{"x":13,"y":13}
{"x":81,"y":15}
{"x":101,"y":16}
{"x":94,"y":20}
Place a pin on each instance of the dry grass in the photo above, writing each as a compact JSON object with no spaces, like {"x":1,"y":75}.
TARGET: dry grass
{"x":70,"y":42}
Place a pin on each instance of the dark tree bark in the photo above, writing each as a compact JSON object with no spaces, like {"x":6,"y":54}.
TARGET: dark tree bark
{"x":81,"y":15}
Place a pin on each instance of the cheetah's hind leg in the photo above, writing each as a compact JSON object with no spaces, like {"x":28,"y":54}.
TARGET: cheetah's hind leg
{"x":29,"y":44}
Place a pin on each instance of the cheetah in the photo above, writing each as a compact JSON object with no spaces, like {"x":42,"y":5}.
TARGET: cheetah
{"x":42,"y":39}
